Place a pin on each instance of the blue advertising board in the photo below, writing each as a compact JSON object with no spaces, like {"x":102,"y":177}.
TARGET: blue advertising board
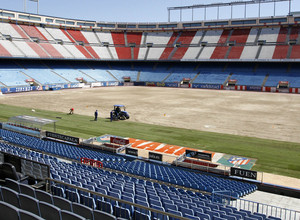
{"x":206,"y":86}
{"x":19,"y":89}
{"x":139,"y":83}
{"x":171,"y":84}
{"x":253,"y":88}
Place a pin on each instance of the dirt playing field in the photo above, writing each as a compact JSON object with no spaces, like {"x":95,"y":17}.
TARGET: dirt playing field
{"x":264,"y":115}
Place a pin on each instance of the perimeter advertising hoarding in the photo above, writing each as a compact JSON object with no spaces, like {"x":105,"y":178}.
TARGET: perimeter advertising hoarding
{"x":243,"y":173}
{"x":139,"y":83}
{"x":130,"y":151}
{"x":206,"y":86}
{"x":66,"y":138}
{"x":112,"y":84}
{"x":171,"y":84}
{"x":253,"y":88}
{"x":120,"y":141}
{"x":154,"y":156}
{"x":159,"y":84}
{"x":198,"y":155}
{"x":19,"y":89}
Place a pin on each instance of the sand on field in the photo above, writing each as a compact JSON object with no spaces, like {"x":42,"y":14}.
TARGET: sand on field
{"x":255,"y":114}
{"x":264,"y":115}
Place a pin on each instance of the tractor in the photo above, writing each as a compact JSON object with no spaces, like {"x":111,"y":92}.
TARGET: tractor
{"x":119,"y":113}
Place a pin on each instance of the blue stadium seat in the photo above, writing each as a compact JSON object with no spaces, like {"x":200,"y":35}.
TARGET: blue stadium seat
{"x":11,"y":212}
{"x":43,"y":196}
{"x":10,"y":196}
{"x":27,"y":190}
{"x":49,"y":211}
{"x":170,"y":207}
{"x":103,"y":215}
{"x":30,"y":204}
{"x":72,"y":196}
{"x":122,"y":212}
{"x":12,"y":184}
{"x":82,"y":210}
{"x":25,"y":215}
{"x":104,"y":206}
{"x":203,"y":216}
{"x":67,"y":215}
{"x":175,"y":213}
{"x":62,"y":203}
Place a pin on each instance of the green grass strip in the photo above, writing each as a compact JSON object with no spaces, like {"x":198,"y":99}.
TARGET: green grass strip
{"x":272,"y":156}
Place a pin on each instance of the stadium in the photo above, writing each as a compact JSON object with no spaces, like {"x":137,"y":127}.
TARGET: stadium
{"x":213,"y":131}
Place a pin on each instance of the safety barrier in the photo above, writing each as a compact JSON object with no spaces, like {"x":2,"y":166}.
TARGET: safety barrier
{"x":94,"y":194}
{"x":256,"y":207}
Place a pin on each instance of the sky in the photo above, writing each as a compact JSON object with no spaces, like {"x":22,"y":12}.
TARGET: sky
{"x":141,"y":10}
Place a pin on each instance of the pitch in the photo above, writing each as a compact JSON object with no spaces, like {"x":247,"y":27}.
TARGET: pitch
{"x":274,"y":116}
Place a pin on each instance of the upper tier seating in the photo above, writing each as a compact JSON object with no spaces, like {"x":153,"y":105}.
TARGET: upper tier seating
{"x":171,"y":45}
{"x":58,"y":34}
{"x":157,"y":38}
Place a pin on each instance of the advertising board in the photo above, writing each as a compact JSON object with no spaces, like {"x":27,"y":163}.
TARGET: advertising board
{"x":130,"y":151}
{"x":206,"y":86}
{"x":198,"y":155}
{"x":243,"y":173}
{"x":120,"y":141}
{"x":66,"y":138}
{"x":155,"y":156}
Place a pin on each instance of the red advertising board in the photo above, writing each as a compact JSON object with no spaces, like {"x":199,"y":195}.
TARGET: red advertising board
{"x":120,"y":141}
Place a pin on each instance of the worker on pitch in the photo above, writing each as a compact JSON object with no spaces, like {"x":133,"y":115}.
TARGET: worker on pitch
{"x":71,"y":111}
{"x":96,"y":115}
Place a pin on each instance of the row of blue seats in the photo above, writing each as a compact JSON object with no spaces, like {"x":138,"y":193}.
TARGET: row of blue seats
{"x":211,"y":73}
{"x":170,"y":199}
{"x":168,"y":174}
{"x":16,"y":198}
{"x":188,"y":179}
{"x":56,"y":148}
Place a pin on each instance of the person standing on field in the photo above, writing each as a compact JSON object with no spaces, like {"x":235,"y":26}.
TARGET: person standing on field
{"x":96,"y":115}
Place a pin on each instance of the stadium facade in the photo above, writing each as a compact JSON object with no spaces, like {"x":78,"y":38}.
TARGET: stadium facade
{"x":259,"y":54}
{"x":46,"y":53}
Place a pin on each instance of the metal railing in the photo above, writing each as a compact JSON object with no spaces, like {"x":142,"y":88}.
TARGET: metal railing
{"x":152,"y":210}
{"x":256,"y":207}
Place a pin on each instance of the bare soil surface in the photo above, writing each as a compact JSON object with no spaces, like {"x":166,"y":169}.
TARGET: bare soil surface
{"x":264,"y":115}
{"x":273,"y":116}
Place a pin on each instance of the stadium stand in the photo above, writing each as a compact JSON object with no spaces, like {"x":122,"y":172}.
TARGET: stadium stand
{"x":12,"y":78}
{"x":185,"y":39}
{"x":76,"y":202}
{"x":171,"y":175}
{"x":69,"y":54}
{"x":192,"y":52}
{"x":109,"y":51}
